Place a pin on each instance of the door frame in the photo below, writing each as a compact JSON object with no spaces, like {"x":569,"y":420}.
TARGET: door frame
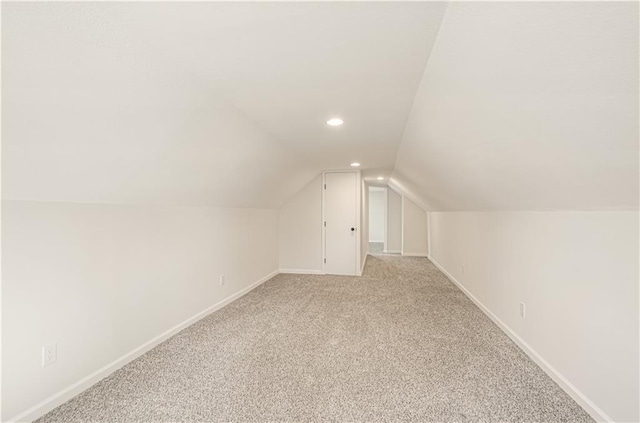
{"x":358,"y":222}
{"x":386,"y":217}
{"x":385,"y":214}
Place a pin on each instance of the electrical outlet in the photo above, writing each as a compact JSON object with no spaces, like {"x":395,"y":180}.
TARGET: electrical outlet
{"x":522,"y":310}
{"x":222,"y":280}
{"x":49,"y":354}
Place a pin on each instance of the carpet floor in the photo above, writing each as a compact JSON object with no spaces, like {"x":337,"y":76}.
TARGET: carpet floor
{"x":400,"y":343}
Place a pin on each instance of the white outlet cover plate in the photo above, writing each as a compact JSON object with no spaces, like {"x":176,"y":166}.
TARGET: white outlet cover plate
{"x":49,"y":354}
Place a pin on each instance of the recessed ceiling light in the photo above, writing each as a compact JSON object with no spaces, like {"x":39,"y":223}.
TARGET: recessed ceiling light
{"x":380,"y":178}
{"x":355,"y":164}
{"x":335,"y":122}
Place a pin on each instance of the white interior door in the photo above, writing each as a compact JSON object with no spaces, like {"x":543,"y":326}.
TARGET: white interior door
{"x":340,"y":220}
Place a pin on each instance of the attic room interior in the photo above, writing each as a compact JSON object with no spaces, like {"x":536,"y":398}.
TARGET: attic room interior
{"x":320,"y":211}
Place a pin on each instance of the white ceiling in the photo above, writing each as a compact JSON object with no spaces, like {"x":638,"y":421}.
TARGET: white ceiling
{"x":200,"y":103}
{"x":527,"y":106}
{"x":518,"y":106}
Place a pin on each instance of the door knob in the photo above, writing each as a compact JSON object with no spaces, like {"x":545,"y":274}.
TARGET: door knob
{"x":353,"y":229}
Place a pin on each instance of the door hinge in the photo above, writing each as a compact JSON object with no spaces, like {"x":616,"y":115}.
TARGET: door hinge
{"x":325,"y":261}
{"x":325,"y":186}
{"x":325,"y":224}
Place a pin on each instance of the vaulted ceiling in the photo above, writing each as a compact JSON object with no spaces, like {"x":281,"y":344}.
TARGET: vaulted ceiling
{"x":467,"y":106}
{"x":200,"y":103}
{"x":527,"y":106}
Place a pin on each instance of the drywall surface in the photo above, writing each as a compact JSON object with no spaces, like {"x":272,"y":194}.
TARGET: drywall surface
{"x":101,"y":280}
{"x":182,"y":103}
{"x":394,"y":221}
{"x":527,"y":106}
{"x":414,"y":229}
{"x":576,"y":272}
{"x":300,"y":230}
{"x":376,"y":214}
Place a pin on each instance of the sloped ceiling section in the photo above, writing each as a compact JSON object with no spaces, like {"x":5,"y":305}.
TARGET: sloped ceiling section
{"x":527,"y":106}
{"x":195,"y":103}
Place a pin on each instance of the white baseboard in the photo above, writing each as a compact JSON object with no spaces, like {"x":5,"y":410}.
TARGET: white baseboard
{"x":363,"y":263}
{"x":378,"y":242}
{"x":71,"y":391}
{"x":415,"y":254}
{"x":392,"y":252}
{"x":302,"y":271}
{"x":588,"y":405}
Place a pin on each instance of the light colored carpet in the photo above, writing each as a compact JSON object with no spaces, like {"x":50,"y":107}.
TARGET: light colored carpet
{"x":376,"y":247}
{"x":399,"y":343}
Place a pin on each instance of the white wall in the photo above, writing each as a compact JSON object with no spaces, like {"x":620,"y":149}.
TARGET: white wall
{"x":394,"y":221}
{"x":101,"y":280}
{"x":377,"y":212}
{"x":577,"y":273}
{"x":414,"y":229}
{"x":300,"y":230}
